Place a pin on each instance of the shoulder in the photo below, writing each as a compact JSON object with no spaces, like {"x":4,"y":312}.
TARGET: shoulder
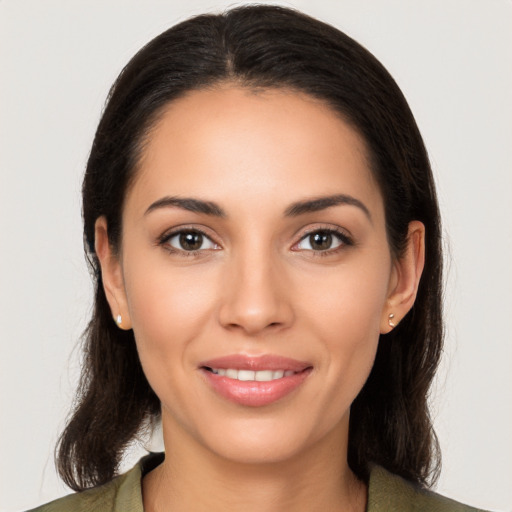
{"x":391,"y":492}
{"x":119,"y":495}
{"x":99,"y":498}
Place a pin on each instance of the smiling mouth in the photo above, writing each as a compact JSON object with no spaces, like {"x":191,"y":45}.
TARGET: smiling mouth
{"x":255,"y":381}
{"x":255,"y":388}
{"x":250,"y":375}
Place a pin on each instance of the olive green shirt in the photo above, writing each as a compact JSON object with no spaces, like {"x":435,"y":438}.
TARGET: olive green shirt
{"x":386,"y":493}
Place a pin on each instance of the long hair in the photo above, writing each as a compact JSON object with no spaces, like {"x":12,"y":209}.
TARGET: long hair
{"x":263,"y":47}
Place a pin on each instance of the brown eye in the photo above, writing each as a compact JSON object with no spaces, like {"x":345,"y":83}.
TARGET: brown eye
{"x":322,"y":240}
{"x":189,"y":241}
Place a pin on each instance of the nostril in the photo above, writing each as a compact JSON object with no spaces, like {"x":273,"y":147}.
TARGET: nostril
{"x":254,"y":313}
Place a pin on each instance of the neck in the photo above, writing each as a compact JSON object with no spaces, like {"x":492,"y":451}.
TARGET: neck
{"x":193,"y":478}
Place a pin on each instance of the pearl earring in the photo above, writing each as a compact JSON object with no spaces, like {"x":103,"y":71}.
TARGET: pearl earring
{"x":390,"y":320}
{"x":119,"y":320}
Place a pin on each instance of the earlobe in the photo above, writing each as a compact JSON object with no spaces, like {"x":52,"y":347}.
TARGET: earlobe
{"x":111,"y":275}
{"x":405,"y":279}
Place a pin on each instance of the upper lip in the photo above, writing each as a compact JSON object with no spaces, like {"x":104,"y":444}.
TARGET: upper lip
{"x":256,"y":363}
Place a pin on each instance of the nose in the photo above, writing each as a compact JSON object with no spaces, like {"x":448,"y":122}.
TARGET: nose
{"x":255,"y":296}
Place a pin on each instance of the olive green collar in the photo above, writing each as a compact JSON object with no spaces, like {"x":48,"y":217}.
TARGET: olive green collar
{"x":386,"y":493}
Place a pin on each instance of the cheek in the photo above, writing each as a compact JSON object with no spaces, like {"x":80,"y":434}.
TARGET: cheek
{"x":168,"y":309}
{"x":346,"y":314}
{"x":347,"y":302}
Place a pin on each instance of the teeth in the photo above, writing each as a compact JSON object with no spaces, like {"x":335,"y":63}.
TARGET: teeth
{"x":246,"y":375}
{"x":264,"y":375}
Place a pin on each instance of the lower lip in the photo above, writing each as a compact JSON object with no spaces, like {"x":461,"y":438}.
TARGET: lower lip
{"x":255,"y":393}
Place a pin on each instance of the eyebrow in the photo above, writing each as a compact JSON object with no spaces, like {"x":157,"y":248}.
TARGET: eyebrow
{"x":294,"y":210}
{"x":187,"y":203}
{"x":321,"y":203}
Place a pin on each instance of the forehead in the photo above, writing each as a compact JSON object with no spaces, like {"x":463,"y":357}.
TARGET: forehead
{"x":231,"y":143}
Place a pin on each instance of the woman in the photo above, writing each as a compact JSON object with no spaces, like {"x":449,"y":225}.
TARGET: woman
{"x":262,"y":224}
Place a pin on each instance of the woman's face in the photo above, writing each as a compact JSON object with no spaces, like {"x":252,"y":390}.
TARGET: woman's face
{"x":254,"y":271}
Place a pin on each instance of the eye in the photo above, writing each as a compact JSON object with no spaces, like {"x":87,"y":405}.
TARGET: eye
{"x":322,"y":240}
{"x":189,"y":241}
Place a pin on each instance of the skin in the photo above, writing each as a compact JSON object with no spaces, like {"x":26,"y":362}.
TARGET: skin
{"x":256,"y":286}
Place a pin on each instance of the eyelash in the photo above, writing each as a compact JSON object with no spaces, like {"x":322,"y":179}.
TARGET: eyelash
{"x":164,"y":239}
{"x":345,"y":241}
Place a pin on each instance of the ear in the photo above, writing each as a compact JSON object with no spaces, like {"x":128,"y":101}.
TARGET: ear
{"x":405,"y":278}
{"x":111,"y":275}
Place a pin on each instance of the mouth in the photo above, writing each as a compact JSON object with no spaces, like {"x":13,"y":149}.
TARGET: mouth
{"x":250,"y":375}
{"x":255,"y":381}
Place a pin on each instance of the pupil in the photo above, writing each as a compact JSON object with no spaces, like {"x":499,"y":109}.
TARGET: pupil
{"x":321,"y":241}
{"x":191,"y":241}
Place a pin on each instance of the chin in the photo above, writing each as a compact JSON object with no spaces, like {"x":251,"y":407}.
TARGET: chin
{"x":263,"y":440}
{"x":258,"y":450}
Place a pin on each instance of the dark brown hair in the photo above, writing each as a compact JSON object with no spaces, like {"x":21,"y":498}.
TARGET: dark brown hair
{"x":269,"y":47}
